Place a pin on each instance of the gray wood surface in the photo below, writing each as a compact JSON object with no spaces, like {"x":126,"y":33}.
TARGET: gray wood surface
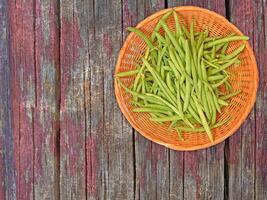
{"x":62,"y":134}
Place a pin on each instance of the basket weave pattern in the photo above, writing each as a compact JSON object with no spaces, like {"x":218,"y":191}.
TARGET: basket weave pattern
{"x":244,"y":77}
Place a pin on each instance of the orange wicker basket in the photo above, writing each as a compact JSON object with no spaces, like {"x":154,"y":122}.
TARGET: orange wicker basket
{"x":245,"y":78}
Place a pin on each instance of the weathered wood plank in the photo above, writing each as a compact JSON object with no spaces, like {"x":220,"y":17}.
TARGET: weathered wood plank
{"x":204,"y":169}
{"x":259,"y":39}
{"x":46,"y":113}
{"x":241,"y":163}
{"x":151,"y":160}
{"x":110,"y":146}
{"x":23,"y":93}
{"x":73,"y":60}
{"x":7,"y":168}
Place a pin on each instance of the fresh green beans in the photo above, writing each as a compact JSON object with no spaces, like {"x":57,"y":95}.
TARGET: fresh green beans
{"x":224,"y":40}
{"x":142,"y":35}
{"x":183,"y":78}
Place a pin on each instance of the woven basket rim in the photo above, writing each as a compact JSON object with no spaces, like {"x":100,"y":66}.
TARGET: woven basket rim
{"x":244,"y":114}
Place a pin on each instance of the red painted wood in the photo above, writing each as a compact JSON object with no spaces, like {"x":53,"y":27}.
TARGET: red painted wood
{"x":110,"y":157}
{"x":242,"y":145}
{"x":7,"y":172}
{"x":46,"y":113}
{"x":23,"y":93}
{"x":259,"y":39}
{"x":69,"y":137}
{"x":73,"y":59}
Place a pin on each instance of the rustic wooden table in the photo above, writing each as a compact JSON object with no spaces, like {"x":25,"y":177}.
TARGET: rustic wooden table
{"x":62,"y":135}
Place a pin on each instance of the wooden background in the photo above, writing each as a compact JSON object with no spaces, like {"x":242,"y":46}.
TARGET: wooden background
{"x":62,"y":135}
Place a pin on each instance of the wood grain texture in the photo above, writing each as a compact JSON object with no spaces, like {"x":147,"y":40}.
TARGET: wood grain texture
{"x":241,"y":160}
{"x":62,"y":135}
{"x":7,"y":172}
{"x":73,"y":59}
{"x":151,"y":160}
{"x":259,"y":38}
{"x":111,"y":157}
{"x":22,"y":63}
{"x":203,"y":172}
{"x":46,"y":112}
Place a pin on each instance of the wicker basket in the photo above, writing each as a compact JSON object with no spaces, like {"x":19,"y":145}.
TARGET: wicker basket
{"x":245,"y":78}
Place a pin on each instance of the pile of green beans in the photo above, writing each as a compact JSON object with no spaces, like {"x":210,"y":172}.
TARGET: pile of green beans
{"x":182,"y":75}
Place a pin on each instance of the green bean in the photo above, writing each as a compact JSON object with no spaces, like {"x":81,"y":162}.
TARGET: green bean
{"x":224,"y":40}
{"x":167,"y":39}
{"x":166,"y":119}
{"x":199,"y":41}
{"x":177,"y":23}
{"x":139,"y":87}
{"x":187,"y":83}
{"x":209,"y":39}
{"x":166,"y":103}
{"x":216,"y":77}
{"x":211,"y":106}
{"x":163,"y":18}
{"x":205,"y":104}
{"x":187,"y":34}
{"x":228,"y":86}
{"x":187,"y":58}
{"x":225,"y":97}
{"x":201,"y":129}
{"x":159,"y":37}
{"x":218,"y":47}
{"x":166,"y":68}
{"x":161,"y":54}
{"x":225,"y":46}
{"x":161,"y":83}
{"x":203,"y":119}
{"x":145,"y":97}
{"x":194,"y":54}
{"x":215,"y":100}
{"x":222,"y":102}
{"x":235,"y":52}
{"x":173,"y":123}
{"x":136,"y":103}
{"x":174,"y":69}
{"x":172,"y":38}
{"x":213,"y":51}
{"x":199,"y":55}
{"x":178,"y":98}
{"x":127,"y":73}
{"x":224,"y":66}
{"x":192,"y":41}
{"x":215,"y":85}
{"x":136,"y":81}
{"x":162,"y":74}
{"x":203,"y":70}
{"x":179,"y":134}
{"x":150,"y":110}
{"x":169,"y":83}
{"x":143,"y":85}
{"x":142,"y":35}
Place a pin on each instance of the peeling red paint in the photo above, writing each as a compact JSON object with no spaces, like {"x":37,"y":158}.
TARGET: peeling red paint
{"x":107,"y":44}
{"x":25,"y":154}
{"x":71,"y":146}
{"x":46,"y":52}
{"x":92,"y":165}
{"x":129,"y":15}
{"x":192,"y":162}
{"x":70,"y":43}
{"x":22,"y":77}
